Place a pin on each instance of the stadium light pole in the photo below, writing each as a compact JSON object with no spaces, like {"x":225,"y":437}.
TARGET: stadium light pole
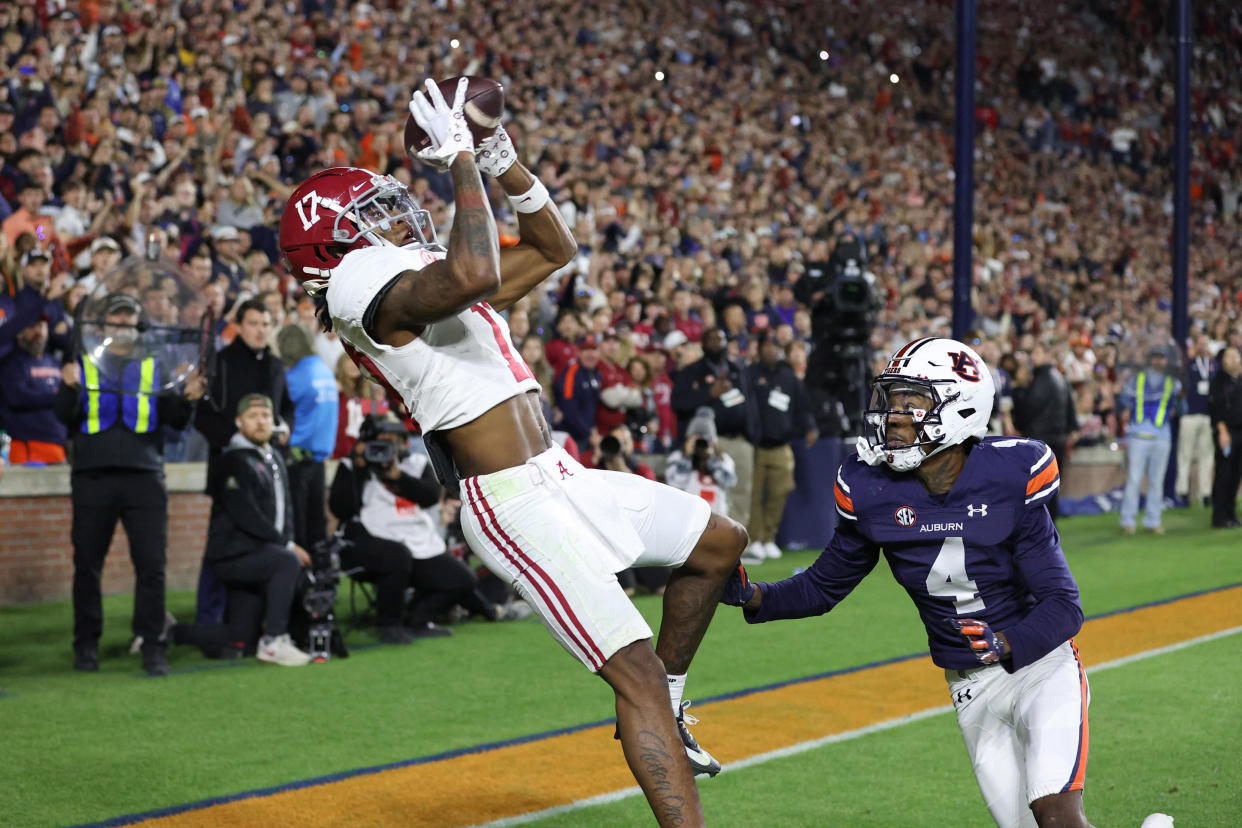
{"x":964,"y":171}
{"x":1181,"y":178}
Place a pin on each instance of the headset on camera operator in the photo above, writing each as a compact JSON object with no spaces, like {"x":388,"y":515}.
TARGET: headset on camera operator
{"x":700,"y":467}
{"x":385,"y":496}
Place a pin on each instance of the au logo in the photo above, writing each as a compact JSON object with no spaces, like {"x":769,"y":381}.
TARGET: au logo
{"x":905,"y":516}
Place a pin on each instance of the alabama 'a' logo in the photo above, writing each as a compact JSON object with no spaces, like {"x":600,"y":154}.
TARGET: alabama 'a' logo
{"x":964,"y":366}
{"x":905,"y":516}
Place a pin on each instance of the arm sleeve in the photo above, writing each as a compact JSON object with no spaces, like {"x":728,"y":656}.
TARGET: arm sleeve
{"x":236,"y":494}
{"x":689,"y":391}
{"x":677,"y":470}
{"x":343,"y":496}
{"x":725,"y":472}
{"x":174,"y":411}
{"x":424,"y":490}
{"x":846,"y":560}
{"x":1057,"y":615}
{"x":68,"y":405}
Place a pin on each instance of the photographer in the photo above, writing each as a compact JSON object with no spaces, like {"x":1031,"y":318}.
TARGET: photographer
{"x":615,"y":452}
{"x":700,"y":467}
{"x":384,"y":497}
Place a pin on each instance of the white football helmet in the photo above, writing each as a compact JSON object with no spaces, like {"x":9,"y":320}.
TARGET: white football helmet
{"x":960,"y":386}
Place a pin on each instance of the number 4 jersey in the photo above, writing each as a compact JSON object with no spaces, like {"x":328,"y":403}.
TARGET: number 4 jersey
{"x":986,"y":550}
{"x":454,"y":370}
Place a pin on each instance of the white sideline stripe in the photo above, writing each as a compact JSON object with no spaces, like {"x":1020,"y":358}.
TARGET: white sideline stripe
{"x":803,"y":747}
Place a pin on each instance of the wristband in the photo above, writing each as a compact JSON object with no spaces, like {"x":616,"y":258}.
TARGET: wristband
{"x":531,"y":201}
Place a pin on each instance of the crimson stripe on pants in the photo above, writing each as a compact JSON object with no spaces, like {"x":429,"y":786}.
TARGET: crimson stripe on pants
{"x":517,"y":557}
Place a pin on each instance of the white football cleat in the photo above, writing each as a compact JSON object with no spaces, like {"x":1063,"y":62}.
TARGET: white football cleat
{"x":1157,"y":821}
{"x":771,"y":550}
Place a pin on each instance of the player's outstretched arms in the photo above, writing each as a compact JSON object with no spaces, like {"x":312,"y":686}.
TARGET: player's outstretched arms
{"x":469,"y":273}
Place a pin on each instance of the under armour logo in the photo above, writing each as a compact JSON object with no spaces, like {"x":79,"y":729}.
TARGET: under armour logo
{"x":560,"y":467}
{"x":963,"y":696}
{"x":981,"y":511}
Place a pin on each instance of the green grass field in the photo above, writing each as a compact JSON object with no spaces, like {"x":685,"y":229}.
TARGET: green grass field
{"x":1166,"y":731}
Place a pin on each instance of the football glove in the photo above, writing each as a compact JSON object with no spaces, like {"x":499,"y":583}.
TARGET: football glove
{"x":739,"y":589}
{"x":495,"y":154}
{"x":984,"y":643}
{"x":444,"y":124}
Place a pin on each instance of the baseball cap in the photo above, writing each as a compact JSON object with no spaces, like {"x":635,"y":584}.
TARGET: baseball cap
{"x":673,"y":339}
{"x":199,"y":112}
{"x":36,"y":253}
{"x":104,"y":242}
{"x":702,"y":424}
{"x":6,"y":108}
{"x":588,"y":341}
{"x":224,"y":232}
{"x":251,"y":400}
{"x":611,"y":333}
{"x":121,"y":302}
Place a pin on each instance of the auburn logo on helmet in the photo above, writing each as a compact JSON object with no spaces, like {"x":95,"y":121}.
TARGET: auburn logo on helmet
{"x":964,"y":366}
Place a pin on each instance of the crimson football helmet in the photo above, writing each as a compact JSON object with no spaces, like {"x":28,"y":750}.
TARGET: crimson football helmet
{"x":961,"y":391}
{"x":341,"y":209}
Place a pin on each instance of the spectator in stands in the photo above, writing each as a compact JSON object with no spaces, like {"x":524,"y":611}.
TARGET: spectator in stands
{"x":561,"y":349}
{"x":312,"y":389}
{"x":719,"y":383}
{"x":386,"y":497}
{"x":1044,"y":409}
{"x":784,"y":416}
{"x":700,"y":467}
{"x":1225,"y":407}
{"x":1194,"y":429}
{"x":29,"y":382}
{"x":110,"y":405}
{"x":105,"y":254}
{"x":227,"y":264}
{"x":29,"y":217}
{"x":1149,"y":402}
{"x":358,"y":397}
{"x":578,"y":389}
{"x":250,"y":541}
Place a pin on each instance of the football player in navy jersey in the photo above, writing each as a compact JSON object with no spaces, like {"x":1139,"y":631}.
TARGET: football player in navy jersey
{"x":961,"y":519}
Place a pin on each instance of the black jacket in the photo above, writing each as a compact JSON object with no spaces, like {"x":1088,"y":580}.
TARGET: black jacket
{"x":1044,"y":409}
{"x":118,"y":447}
{"x":784,"y":408}
{"x":250,"y":504}
{"x":1225,"y":401}
{"x":240,"y":371}
{"x":692,"y":388}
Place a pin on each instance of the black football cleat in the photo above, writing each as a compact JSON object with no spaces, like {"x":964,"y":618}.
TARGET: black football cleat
{"x":701,"y":762}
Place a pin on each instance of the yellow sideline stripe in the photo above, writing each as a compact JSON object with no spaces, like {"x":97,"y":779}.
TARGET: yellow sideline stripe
{"x":519,"y":779}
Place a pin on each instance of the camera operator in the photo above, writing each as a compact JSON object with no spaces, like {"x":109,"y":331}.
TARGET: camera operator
{"x":250,"y":536}
{"x":615,"y":452}
{"x":700,"y":467}
{"x":843,"y":307}
{"x":384,"y":497}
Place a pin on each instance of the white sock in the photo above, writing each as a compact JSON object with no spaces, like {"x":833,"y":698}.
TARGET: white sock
{"x":676,"y":687}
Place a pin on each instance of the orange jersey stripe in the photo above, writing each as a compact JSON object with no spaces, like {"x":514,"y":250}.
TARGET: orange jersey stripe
{"x":1080,"y":771}
{"x":1045,"y":477}
{"x":846,"y":503}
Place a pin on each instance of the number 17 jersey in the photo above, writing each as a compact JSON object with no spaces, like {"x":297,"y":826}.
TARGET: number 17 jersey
{"x":454,"y":370}
{"x":986,"y":549}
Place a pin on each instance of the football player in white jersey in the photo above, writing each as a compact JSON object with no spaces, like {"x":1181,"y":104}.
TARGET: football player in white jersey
{"x":425,"y":320}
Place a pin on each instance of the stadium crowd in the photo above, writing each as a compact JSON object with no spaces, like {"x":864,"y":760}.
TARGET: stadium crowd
{"x":709,"y":157}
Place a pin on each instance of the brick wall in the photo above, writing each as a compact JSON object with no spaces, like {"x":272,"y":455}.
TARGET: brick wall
{"x":36,"y":564}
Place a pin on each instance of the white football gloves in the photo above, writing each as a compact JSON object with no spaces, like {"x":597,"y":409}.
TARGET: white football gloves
{"x":495,"y":154}
{"x":445,"y":125}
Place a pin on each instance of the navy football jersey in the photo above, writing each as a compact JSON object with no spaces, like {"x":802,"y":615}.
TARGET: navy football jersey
{"x":986,"y":549}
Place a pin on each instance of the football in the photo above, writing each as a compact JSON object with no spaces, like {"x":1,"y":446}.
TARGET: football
{"x":485,"y":105}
